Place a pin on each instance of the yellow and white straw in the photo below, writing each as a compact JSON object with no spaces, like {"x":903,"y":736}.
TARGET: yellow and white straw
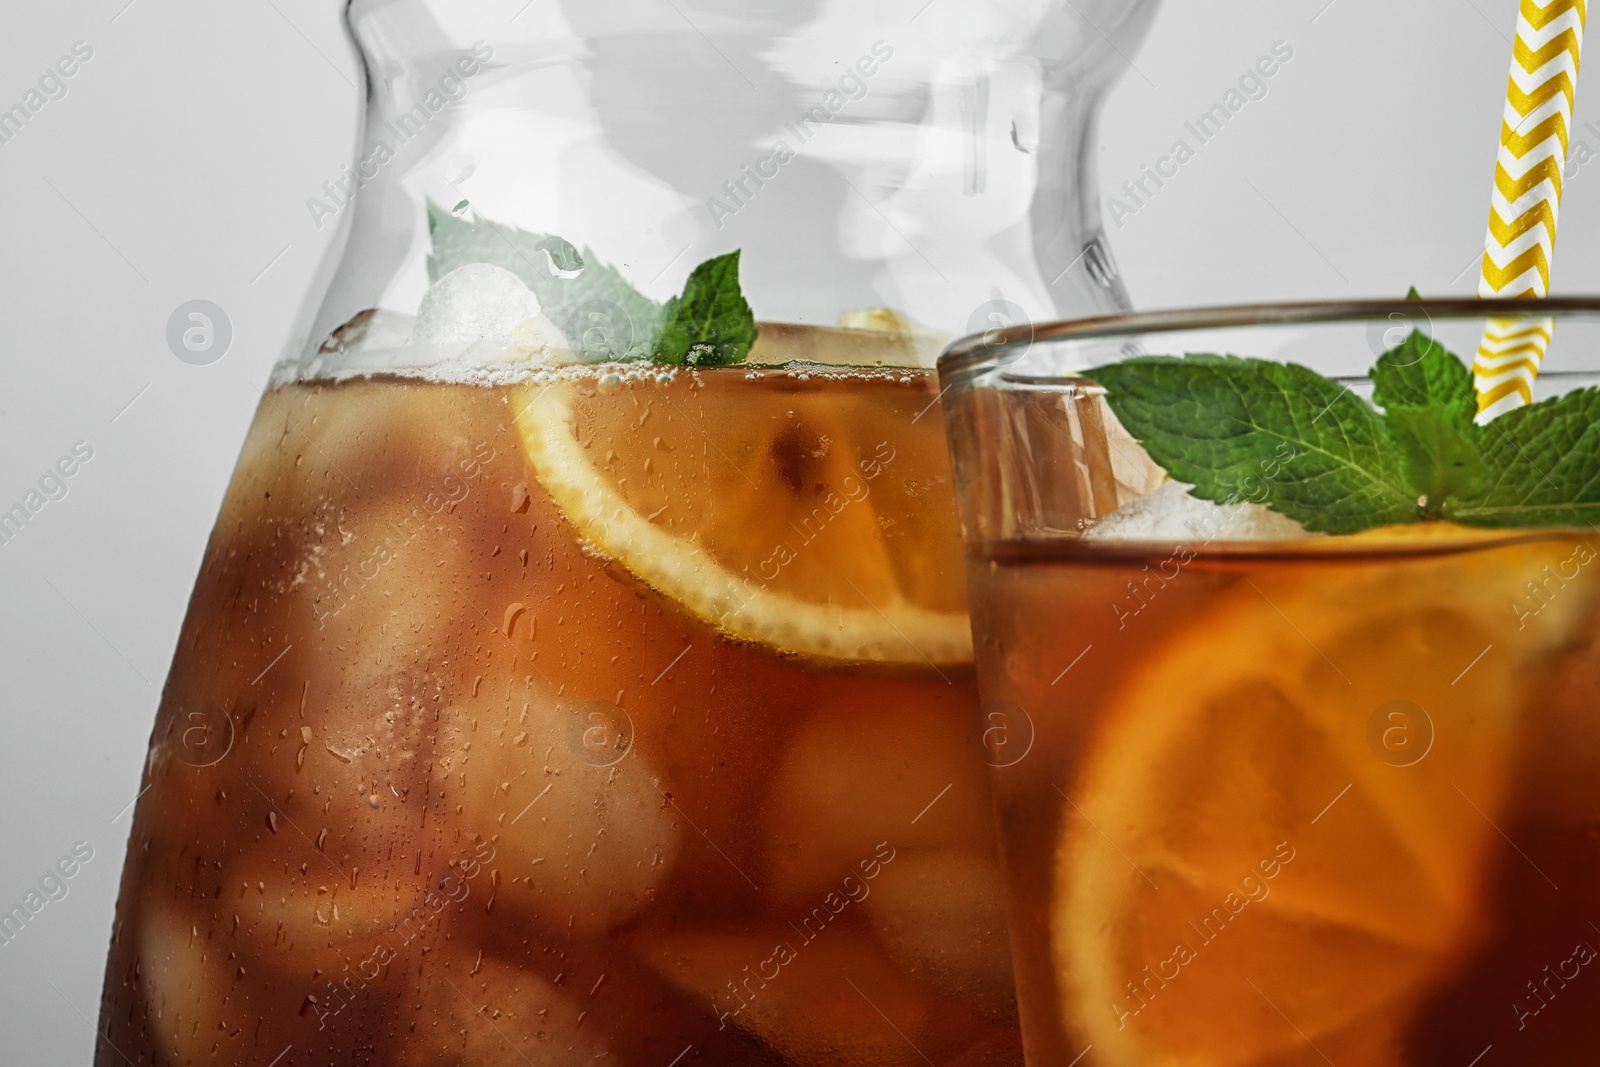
{"x":1527,"y":197}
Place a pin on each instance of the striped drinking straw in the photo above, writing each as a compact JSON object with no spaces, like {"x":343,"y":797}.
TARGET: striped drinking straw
{"x":1527,"y":197}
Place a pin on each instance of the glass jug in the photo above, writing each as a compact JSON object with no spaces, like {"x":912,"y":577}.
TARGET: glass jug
{"x":580,"y":667}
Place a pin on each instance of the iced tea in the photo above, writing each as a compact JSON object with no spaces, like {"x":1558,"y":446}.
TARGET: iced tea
{"x":610,"y":713}
{"x":1334,"y":803}
{"x":1294,"y":670}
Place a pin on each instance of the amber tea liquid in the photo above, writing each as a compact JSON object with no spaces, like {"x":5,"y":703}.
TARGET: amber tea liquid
{"x":1329,"y":802}
{"x":676,"y":770}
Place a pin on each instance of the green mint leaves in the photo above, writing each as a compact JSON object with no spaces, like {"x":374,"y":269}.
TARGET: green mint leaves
{"x":710,"y":324}
{"x":1284,"y":436}
{"x":1221,"y":423}
{"x":603,"y":316}
{"x":1543,"y":465}
{"x":1429,"y":404}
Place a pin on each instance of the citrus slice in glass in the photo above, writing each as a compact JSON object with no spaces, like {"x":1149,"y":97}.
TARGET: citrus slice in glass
{"x":1281,"y":832}
{"x":809,"y":511}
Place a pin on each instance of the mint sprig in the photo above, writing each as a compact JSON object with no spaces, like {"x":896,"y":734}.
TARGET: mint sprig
{"x":711,"y":323}
{"x":603,"y":316}
{"x":1429,"y":404}
{"x":1339,"y":464}
{"x":1216,"y":421}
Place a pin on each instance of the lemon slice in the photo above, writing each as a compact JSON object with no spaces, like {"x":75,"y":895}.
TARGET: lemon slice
{"x":811,"y":514}
{"x":1249,"y":863}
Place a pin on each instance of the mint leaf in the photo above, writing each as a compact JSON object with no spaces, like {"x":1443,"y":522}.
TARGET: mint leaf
{"x":711,"y":323}
{"x":1282,"y":435}
{"x":1441,"y":462}
{"x":603,"y":317}
{"x":1543,"y":465}
{"x":1429,"y":404}
{"x":1276,"y":433}
{"x":533,"y":257}
{"x":1418,"y":372}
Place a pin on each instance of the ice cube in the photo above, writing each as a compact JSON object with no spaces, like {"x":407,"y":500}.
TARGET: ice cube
{"x":473,"y":303}
{"x":183,"y":978}
{"x":345,"y":912}
{"x":1171,"y":514}
{"x":873,"y":772}
{"x":483,"y":1012}
{"x":203,"y":993}
{"x":583,"y":837}
{"x":941,"y":915}
{"x":477,"y":324}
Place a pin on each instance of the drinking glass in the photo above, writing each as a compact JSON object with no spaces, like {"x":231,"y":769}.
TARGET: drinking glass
{"x":1271,"y":797}
{"x":579,"y":669}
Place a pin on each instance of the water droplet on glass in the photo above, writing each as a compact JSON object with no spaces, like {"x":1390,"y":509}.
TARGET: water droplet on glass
{"x":561,"y":258}
{"x":461,"y":208}
{"x":555,"y":268}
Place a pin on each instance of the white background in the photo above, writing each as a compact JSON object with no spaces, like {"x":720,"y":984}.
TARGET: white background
{"x":178,"y":167}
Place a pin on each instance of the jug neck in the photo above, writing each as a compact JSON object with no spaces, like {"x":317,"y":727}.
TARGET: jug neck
{"x":942,"y":165}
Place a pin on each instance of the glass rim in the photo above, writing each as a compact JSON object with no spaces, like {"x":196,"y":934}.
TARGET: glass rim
{"x":974,"y":351}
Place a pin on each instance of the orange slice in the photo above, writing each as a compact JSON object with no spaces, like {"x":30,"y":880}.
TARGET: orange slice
{"x":807,"y":510}
{"x":1250,"y":867}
